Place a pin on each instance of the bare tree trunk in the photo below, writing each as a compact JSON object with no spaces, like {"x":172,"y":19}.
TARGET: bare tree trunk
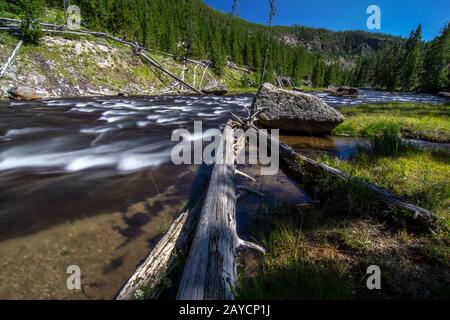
{"x":210,"y":272}
{"x":10,"y":59}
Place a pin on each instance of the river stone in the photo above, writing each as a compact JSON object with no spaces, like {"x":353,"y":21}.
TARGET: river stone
{"x":215,"y":88}
{"x":347,"y":92}
{"x":296,"y":112}
{"x":23,"y":93}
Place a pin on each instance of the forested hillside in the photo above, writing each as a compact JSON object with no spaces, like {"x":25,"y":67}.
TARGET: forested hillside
{"x":414,"y":66}
{"x":191,"y":28}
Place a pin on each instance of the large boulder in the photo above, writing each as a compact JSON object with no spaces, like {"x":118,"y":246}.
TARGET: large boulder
{"x":23,"y":93}
{"x":215,"y":88}
{"x":294,"y":111}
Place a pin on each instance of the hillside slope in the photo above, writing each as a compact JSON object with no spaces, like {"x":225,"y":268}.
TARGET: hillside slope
{"x":194,"y":28}
{"x":70,"y":67}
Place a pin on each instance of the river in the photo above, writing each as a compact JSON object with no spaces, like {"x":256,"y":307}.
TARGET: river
{"x":89,"y":182}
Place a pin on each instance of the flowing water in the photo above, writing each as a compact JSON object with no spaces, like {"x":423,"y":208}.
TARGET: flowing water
{"x":89,"y":182}
{"x":374,"y":96}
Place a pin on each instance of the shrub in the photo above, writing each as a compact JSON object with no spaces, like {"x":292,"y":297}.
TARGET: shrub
{"x":31,"y":12}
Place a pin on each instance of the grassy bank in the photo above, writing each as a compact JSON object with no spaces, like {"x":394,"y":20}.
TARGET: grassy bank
{"x":322,"y":251}
{"x":416,"y":121}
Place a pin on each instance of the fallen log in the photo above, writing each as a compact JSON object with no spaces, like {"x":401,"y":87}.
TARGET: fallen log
{"x":234,"y":66}
{"x":160,"y":67}
{"x":293,"y":159}
{"x":210,"y":272}
{"x":10,"y":59}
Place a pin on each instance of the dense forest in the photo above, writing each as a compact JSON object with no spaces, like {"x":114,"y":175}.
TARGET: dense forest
{"x":412,"y":66}
{"x":189,"y":28}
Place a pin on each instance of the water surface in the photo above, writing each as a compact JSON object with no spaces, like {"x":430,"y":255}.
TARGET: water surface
{"x":89,"y":182}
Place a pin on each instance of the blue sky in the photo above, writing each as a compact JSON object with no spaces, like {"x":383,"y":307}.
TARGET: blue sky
{"x":398,"y":17}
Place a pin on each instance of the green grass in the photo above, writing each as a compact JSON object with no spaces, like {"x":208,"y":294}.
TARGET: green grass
{"x":417,"y":121}
{"x":288,"y":271}
{"x":322,"y":251}
{"x":422,"y":177}
{"x":313,"y":89}
{"x":242,"y":90}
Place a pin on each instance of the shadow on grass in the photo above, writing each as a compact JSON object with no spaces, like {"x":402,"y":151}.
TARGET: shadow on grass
{"x":322,"y":250}
{"x":297,"y":280}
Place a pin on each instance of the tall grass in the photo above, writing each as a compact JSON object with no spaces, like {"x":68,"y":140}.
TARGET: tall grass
{"x":416,"y":121}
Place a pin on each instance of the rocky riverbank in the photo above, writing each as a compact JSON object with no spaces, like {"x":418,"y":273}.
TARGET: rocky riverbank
{"x":73,"y":67}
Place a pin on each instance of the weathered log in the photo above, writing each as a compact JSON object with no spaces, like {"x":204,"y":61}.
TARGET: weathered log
{"x":292,"y":159}
{"x":234,"y":66}
{"x":203,"y":75}
{"x":210,"y":272}
{"x":10,"y":59}
{"x":158,"y":66}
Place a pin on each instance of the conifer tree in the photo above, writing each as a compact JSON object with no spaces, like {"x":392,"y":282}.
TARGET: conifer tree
{"x":412,"y":61}
{"x":31,"y":11}
{"x":435,"y":69}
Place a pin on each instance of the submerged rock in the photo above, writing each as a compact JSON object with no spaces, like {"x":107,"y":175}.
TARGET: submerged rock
{"x":215,"y":88}
{"x":295,"y":111}
{"x":347,"y":92}
{"x":23,"y":93}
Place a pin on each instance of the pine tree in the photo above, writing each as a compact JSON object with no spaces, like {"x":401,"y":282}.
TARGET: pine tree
{"x":217,"y":54}
{"x":318,"y":75}
{"x":412,"y":61}
{"x":31,"y":10}
{"x":435,"y":69}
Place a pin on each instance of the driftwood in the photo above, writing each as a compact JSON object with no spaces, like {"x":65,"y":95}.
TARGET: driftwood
{"x":280,"y":84}
{"x":203,"y":76}
{"x":210,"y":272}
{"x":234,"y":66}
{"x":10,"y":59}
{"x":160,"y":67}
{"x":292,"y":159}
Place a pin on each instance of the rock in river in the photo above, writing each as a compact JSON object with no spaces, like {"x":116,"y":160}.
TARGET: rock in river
{"x":215,"y":88}
{"x":23,"y":93}
{"x":347,"y":92}
{"x":296,"y":112}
